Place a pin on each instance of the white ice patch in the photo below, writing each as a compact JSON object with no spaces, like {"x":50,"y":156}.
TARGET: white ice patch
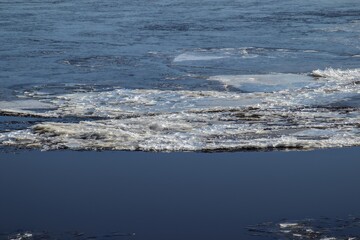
{"x":124,"y":102}
{"x":215,"y":54}
{"x":339,"y":75}
{"x":22,"y":236}
{"x":288,"y":225}
{"x":321,"y":229}
{"x":223,"y":130}
{"x":195,"y":57}
{"x":328,"y":87}
{"x":241,"y":54}
{"x":303,"y":117}
{"x":24,"y":106}
{"x":266,"y":82}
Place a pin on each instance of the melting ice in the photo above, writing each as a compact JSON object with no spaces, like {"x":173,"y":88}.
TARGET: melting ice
{"x":273,"y":111}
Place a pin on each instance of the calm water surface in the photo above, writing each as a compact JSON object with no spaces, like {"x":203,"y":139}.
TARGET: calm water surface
{"x":180,"y":195}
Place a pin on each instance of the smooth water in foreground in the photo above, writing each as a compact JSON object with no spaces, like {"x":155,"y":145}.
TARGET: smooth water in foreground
{"x":246,"y":195}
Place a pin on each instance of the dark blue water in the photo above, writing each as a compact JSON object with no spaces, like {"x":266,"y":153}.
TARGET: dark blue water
{"x":190,"y":196}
